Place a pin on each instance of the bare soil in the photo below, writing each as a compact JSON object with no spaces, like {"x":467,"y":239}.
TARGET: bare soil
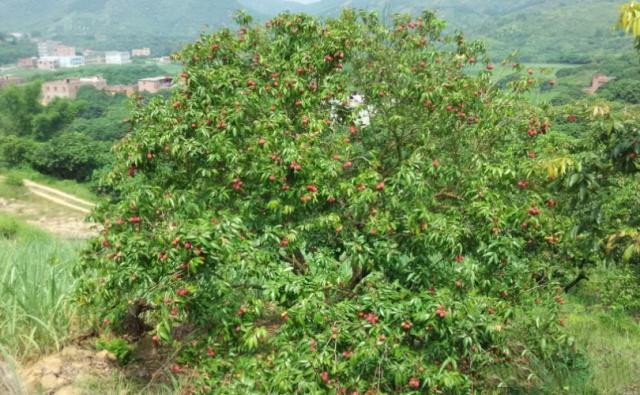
{"x":52,"y":210}
{"x":64,"y":373}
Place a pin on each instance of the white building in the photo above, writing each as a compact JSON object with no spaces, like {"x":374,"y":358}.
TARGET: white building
{"x":141,"y":52}
{"x":46,"y":48}
{"x":71,"y":61}
{"x":117,"y":57}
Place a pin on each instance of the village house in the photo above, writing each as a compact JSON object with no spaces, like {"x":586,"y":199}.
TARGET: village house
{"x":154,"y":84}
{"x":141,"y":52}
{"x":48,"y":63}
{"x":7,"y":80}
{"x":50,"y":48}
{"x":128,"y":90}
{"x":45,"y":48}
{"x":94,"y":58}
{"x":117,"y":57}
{"x":63,"y":50}
{"x":68,"y":88}
{"x":27,"y":63}
{"x":71,"y":61}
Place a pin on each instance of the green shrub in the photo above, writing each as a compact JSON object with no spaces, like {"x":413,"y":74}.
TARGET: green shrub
{"x":13,"y":180}
{"x":118,"y":347}
{"x":70,"y":156}
{"x":16,"y":151}
{"x":285,"y":242}
{"x":9,"y":227}
{"x":620,"y":290}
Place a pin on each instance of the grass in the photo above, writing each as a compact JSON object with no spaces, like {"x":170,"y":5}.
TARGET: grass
{"x":611,"y":342}
{"x":12,"y":187}
{"x":35,"y":280}
{"x":36,"y":312}
{"x":123,"y":385}
{"x":609,"y":339}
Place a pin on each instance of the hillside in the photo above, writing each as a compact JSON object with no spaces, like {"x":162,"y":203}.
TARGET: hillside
{"x":543,"y":30}
{"x":166,"y":18}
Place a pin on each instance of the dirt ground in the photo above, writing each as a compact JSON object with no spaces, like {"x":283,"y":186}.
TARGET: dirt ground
{"x":63,"y":373}
{"x":42,"y":214}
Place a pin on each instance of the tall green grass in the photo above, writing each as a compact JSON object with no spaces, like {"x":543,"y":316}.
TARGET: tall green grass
{"x":35,"y":280}
{"x":36,"y":310}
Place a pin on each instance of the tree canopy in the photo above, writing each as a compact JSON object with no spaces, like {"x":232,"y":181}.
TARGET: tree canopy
{"x":338,"y":205}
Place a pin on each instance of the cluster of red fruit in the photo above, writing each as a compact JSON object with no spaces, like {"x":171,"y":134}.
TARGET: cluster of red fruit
{"x":237,"y":184}
{"x":458,"y":110}
{"x":441,"y":311}
{"x":414,"y":383}
{"x":536,"y":127}
{"x":523,"y":184}
{"x":533,"y":210}
{"x":370,"y":317}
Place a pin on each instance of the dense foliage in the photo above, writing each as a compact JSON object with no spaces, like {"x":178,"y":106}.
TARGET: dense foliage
{"x":12,"y":49}
{"x":66,"y":139}
{"x":287,"y":236}
{"x":528,"y":25}
{"x":630,"y":19}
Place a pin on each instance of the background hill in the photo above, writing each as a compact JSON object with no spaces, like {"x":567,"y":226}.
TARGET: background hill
{"x":544,"y":30}
{"x":163,"y":25}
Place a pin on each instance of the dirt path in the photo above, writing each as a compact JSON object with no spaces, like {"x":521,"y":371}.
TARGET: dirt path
{"x":52,"y":210}
{"x":59,"y":197}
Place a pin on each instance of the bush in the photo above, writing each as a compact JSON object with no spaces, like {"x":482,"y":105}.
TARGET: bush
{"x":285,"y":237}
{"x":13,"y":180}
{"x":624,"y":90}
{"x":620,"y":290}
{"x":8,"y":228}
{"x":69,"y":155}
{"x":118,"y":347}
{"x":16,"y":151}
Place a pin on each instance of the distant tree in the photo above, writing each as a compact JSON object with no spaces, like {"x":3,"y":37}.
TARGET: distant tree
{"x":96,"y":102}
{"x":15,"y":151}
{"x":18,"y":106}
{"x":12,"y":49}
{"x":627,"y":90}
{"x":56,"y":116}
{"x":69,"y":155}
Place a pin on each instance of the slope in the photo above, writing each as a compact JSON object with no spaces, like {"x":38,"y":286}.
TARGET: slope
{"x":544,"y":30}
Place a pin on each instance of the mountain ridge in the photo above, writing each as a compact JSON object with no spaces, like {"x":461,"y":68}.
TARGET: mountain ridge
{"x":545,"y":30}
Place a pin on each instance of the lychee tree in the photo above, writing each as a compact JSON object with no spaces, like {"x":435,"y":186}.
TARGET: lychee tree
{"x":334,"y":206}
